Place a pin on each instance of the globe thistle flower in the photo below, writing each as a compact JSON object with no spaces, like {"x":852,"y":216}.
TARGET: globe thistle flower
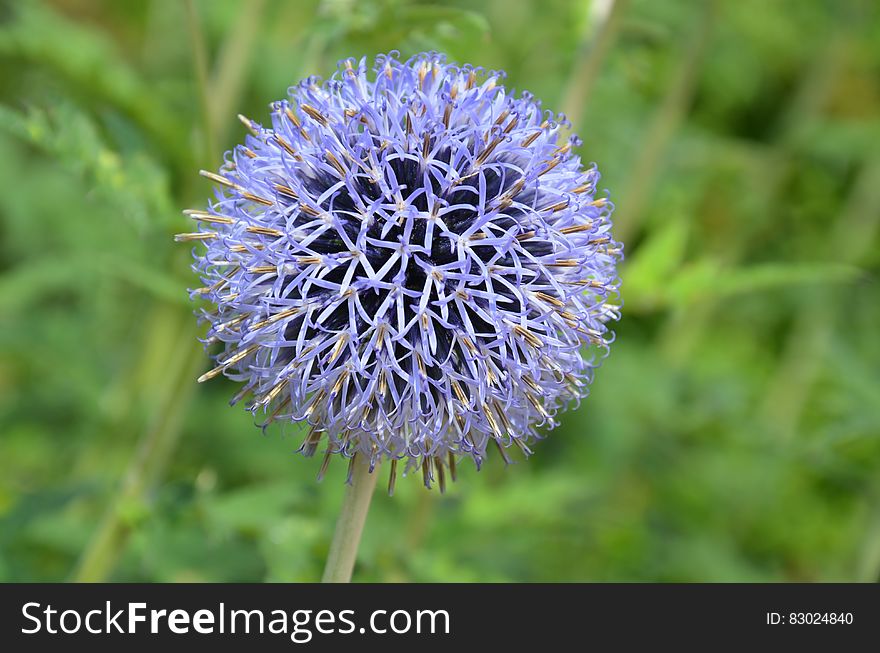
{"x":410,"y":262}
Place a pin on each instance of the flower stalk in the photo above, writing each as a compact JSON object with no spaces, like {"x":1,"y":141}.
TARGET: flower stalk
{"x":350,"y":526}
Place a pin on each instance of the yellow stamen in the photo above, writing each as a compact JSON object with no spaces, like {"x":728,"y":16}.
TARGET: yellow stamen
{"x":314,"y":114}
{"x":249,"y":125}
{"x":203,"y":235}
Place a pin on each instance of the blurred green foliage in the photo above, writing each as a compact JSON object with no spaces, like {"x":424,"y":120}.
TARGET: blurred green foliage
{"x":732,"y":435}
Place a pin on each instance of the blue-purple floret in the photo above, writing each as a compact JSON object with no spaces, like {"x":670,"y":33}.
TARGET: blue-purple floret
{"x":409,"y":259}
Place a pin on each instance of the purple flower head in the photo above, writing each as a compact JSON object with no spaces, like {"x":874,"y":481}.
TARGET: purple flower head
{"x":411,"y":261}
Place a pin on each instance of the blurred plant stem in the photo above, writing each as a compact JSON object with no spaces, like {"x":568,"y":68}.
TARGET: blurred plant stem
{"x":185,"y":358}
{"x":672,"y":110}
{"x":868,"y":560}
{"x":220,"y":90}
{"x":684,"y":329}
{"x":810,"y":338}
{"x":200,"y":67}
{"x":153,"y":450}
{"x":600,"y":33}
{"x":347,"y":537}
{"x":811,"y":335}
{"x":233,"y":60}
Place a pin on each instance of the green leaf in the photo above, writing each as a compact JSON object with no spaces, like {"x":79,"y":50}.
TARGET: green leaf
{"x":89,"y":62}
{"x":709,"y":280}
{"x":657,"y":276}
{"x":646,"y":277}
{"x":441,"y":28}
{"x":381,"y":26}
{"x":136,"y":185}
{"x":252,"y":509}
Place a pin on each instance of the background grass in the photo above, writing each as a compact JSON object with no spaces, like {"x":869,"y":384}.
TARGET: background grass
{"x":733,"y":434}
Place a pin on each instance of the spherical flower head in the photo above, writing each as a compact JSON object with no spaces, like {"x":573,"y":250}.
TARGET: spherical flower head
{"x":411,"y":260}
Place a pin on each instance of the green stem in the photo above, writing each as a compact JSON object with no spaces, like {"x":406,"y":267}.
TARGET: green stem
{"x":231,"y":68}
{"x":184,"y":358}
{"x":343,"y":549}
{"x":200,"y":66}
{"x":672,"y":110}
{"x":684,"y":329}
{"x":599,"y":35}
{"x":810,"y":340}
{"x":100,"y":556}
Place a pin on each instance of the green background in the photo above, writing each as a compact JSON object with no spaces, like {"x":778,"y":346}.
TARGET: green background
{"x":732,"y":435}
